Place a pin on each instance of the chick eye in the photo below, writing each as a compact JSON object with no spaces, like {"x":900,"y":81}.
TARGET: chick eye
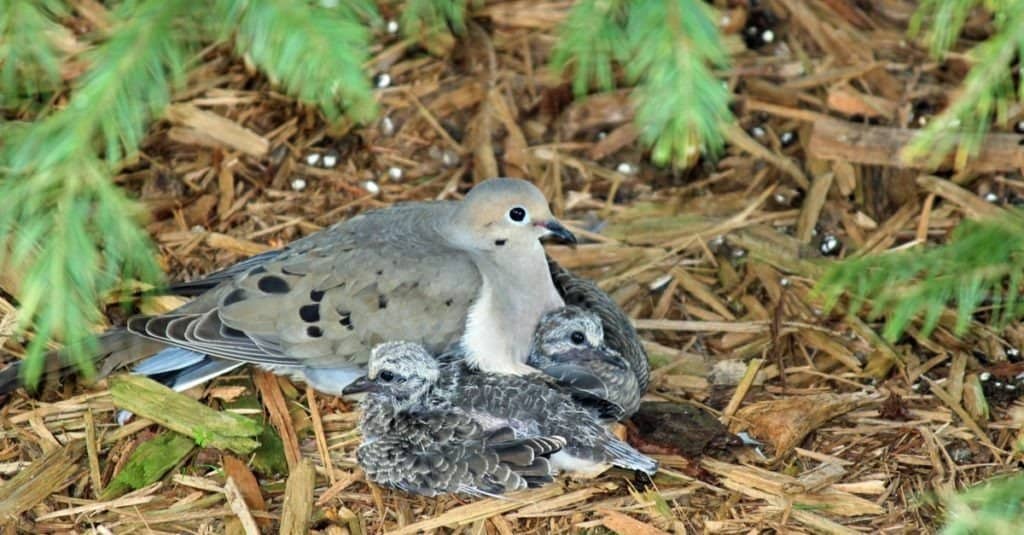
{"x":386,"y":376}
{"x":577,"y":338}
{"x":517,"y":214}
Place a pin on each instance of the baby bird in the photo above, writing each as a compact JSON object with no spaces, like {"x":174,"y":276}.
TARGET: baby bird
{"x":569,"y":346}
{"x":527,"y":405}
{"x":414,"y":440}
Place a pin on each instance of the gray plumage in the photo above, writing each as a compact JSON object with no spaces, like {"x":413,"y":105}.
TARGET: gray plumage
{"x":619,"y":332}
{"x":569,"y":346}
{"x":527,"y":404}
{"x":416,"y":442}
{"x":431,"y":272}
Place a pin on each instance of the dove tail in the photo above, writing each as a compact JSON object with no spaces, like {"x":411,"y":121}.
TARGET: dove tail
{"x":116,"y":348}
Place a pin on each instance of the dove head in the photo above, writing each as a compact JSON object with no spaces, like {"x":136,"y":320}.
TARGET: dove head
{"x":571,"y":333}
{"x":403,"y":372}
{"x":505,"y":214}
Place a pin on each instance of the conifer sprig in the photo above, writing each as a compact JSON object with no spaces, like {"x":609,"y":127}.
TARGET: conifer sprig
{"x":667,"y":49}
{"x":980,"y":266}
{"x":29,"y":58}
{"x":67,"y":228}
{"x":316,"y":53}
{"x":989,"y":89}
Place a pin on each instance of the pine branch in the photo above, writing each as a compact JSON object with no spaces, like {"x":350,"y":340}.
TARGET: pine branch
{"x":316,"y":53}
{"x":944,"y":20}
{"x":989,"y":89}
{"x":425,"y":18}
{"x":993,"y":506}
{"x":980,"y":266}
{"x":29,"y":57}
{"x":66,"y":227}
{"x":667,"y":48}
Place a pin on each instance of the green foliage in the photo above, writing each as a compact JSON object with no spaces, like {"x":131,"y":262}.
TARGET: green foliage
{"x":316,"y":53}
{"x":29,"y":58}
{"x":667,"y":49}
{"x":994,"y":507}
{"x":149,"y":462}
{"x":981,"y":264}
{"x":987,"y":93}
{"x":426,"y":18}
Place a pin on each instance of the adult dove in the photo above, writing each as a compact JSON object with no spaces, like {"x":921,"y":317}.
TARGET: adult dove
{"x":414,"y":444}
{"x":471,"y":271}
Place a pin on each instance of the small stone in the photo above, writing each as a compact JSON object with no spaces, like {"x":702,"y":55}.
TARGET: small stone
{"x":1013,"y":352}
{"x":1019,"y":127}
{"x":450,"y":158}
{"x":392,"y":26}
{"x":739,"y":253}
{"x":830,"y":245}
{"x":752,"y":30}
{"x":922,"y":120}
{"x":768,"y":36}
{"x":779,"y":198}
{"x":991,"y":197}
{"x":395,"y":173}
{"x":198,"y":228}
{"x":382,"y":80}
{"x":784,"y":281}
{"x":626,"y":168}
{"x":1010,"y":386}
{"x":387,"y":126}
{"x":660,"y":282}
{"x":985,"y":376}
{"x":725,"y":20}
{"x":757,"y":132}
{"x":601,"y":135}
{"x":312,"y":158}
{"x":299,"y":184}
{"x":787,"y":138}
{"x":330,"y":160}
{"x":371,"y":187}
{"x":717,"y":241}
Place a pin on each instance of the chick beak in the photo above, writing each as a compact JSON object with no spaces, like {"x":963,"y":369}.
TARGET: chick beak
{"x":555,"y":229}
{"x":360,"y":385}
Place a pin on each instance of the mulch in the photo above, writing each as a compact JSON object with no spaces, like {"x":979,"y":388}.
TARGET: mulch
{"x":716,"y":263}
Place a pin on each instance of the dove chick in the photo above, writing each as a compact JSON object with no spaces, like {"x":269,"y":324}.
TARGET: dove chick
{"x":569,"y":346}
{"x":414,"y":441}
{"x":526,"y":404}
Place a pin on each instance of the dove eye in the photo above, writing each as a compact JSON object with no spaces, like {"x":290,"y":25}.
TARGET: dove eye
{"x":577,"y":338}
{"x":517,"y":214}
{"x":386,"y":376}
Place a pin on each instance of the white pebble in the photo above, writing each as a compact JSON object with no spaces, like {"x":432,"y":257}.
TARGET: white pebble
{"x":1019,"y":127}
{"x":601,"y":135}
{"x":387,"y":126}
{"x":780,"y":198}
{"x":383,"y":80}
{"x":991,"y":197}
{"x":829,"y":245}
{"x":757,"y":131}
{"x":449,"y":158}
{"x":330,"y":160}
{"x":198,"y":228}
{"x":726,"y":19}
{"x":785,"y":281}
{"x":299,"y":184}
{"x":626,"y":168}
{"x":787,"y":137}
{"x":312,"y":159}
{"x":1010,"y":386}
{"x":395,"y":173}
{"x":768,"y":36}
{"x":985,"y":376}
{"x":1013,"y":352}
{"x":392,"y":26}
{"x":660,"y":282}
{"x":739,"y":253}
{"x":371,"y":187}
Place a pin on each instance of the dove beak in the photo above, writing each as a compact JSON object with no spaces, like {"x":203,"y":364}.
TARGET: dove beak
{"x":554,"y":228}
{"x":359,"y":386}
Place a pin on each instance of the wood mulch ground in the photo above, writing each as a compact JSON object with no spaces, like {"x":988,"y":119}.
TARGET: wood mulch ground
{"x":715,"y":264}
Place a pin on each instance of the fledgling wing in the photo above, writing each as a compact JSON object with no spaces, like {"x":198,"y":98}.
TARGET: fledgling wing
{"x":471,"y":467}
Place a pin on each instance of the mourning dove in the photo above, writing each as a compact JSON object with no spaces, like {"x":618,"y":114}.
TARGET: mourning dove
{"x":415,"y":444}
{"x":472,"y":271}
{"x":569,"y":346}
{"x":527,"y":404}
